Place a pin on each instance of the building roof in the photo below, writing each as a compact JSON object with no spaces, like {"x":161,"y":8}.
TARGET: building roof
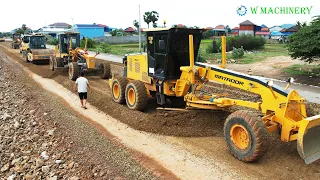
{"x":220,"y":27}
{"x":236,"y":28}
{"x":262,"y":33}
{"x":209,"y":28}
{"x":102,"y":25}
{"x":263,"y":26}
{"x":59,"y":24}
{"x":265,"y":29}
{"x":129,"y":29}
{"x":88,"y":25}
{"x":287,"y":26}
{"x":247,"y":22}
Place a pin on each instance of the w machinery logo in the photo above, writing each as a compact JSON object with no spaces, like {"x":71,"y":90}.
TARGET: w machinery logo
{"x":242,"y":10}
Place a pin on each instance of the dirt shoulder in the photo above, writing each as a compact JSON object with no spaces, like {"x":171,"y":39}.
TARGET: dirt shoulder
{"x":273,"y":67}
{"x":35,"y":122}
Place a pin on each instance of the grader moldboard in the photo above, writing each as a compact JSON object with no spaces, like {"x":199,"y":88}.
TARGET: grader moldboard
{"x":169,"y":73}
{"x":68,"y":54}
{"x":33,"y":49}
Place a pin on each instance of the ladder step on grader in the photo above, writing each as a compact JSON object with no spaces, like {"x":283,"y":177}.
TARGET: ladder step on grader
{"x":168,"y":72}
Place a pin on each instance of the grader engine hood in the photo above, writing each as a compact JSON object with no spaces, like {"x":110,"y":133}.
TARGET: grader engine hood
{"x":308,"y":142}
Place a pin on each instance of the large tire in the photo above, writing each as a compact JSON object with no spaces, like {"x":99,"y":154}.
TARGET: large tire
{"x":105,"y":70}
{"x":246,"y":136}
{"x":119,"y":89}
{"x":136,"y":95}
{"x":51,"y":63}
{"x":58,"y":62}
{"x":73,"y":71}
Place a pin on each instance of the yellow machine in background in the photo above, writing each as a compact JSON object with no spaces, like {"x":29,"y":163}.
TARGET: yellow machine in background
{"x":1,"y":37}
{"x":25,"y":39}
{"x":68,"y":54}
{"x":169,"y":73}
{"x":16,"y":41}
{"x":33,"y":49}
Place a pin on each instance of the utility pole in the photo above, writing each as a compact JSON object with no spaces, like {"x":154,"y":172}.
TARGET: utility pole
{"x":72,"y":25}
{"x":139,"y":30}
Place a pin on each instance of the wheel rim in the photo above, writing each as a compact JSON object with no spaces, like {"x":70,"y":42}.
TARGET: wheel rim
{"x":131,"y":96}
{"x":116,"y":90}
{"x":240,"y":136}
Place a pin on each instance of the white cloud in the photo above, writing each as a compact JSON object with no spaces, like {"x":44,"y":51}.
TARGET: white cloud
{"x":37,"y":13}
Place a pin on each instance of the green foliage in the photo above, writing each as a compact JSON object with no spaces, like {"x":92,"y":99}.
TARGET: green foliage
{"x":200,"y":58}
{"x":91,"y":43}
{"x":104,"y":48}
{"x":305,"y":43}
{"x":136,"y":24}
{"x":149,"y":17}
{"x":208,"y":34}
{"x":213,"y":48}
{"x":237,"y":53}
{"x":53,"y":41}
{"x":248,"y":42}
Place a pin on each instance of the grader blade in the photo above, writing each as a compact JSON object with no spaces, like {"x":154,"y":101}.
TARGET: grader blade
{"x":308,"y":141}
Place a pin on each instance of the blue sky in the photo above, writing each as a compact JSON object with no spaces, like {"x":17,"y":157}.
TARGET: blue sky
{"x":120,"y":14}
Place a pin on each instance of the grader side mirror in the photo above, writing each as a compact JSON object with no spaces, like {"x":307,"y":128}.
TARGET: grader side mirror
{"x":161,"y":45}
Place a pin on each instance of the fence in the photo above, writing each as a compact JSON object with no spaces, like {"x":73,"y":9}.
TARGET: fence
{"x":119,"y":39}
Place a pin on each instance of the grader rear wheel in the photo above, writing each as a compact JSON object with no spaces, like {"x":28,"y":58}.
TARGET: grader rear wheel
{"x":246,"y":136}
{"x":119,"y":89}
{"x":73,"y":71}
{"x":105,"y":70}
{"x":136,"y":95}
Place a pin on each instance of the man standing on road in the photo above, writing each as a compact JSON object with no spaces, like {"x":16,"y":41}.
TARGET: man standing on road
{"x":82,"y":84}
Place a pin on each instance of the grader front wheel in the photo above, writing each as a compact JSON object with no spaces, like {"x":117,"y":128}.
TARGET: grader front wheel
{"x":246,"y":136}
{"x":136,"y":95}
{"x":119,"y":89}
{"x":73,"y":71}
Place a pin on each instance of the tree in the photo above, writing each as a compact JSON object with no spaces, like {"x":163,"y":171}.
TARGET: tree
{"x":136,"y":24}
{"x":147,"y":18}
{"x":69,"y":27}
{"x":300,"y":25}
{"x":154,"y":18}
{"x":305,"y":43}
{"x":24,"y":27}
{"x":228,"y":29}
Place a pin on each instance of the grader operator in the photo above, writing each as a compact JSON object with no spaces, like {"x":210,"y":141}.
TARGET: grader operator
{"x":68,"y":54}
{"x":168,"y":71}
{"x":34,"y":49}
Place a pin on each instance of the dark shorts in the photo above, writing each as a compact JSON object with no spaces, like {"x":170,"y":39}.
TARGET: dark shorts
{"x":82,"y":95}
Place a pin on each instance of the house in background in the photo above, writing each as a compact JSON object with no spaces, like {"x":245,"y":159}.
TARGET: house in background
{"x":235,"y":31}
{"x":278,"y":32}
{"x":129,"y":30}
{"x":248,"y":28}
{"x":264,"y":32}
{"x":59,"y":25}
{"x":220,"y":30}
{"x":89,"y":30}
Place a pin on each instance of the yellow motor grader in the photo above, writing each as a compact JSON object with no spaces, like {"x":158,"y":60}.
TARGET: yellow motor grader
{"x":68,"y":54}
{"x":33,"y":49}
{"x":168,"y":72}
{"x":16,"y":41}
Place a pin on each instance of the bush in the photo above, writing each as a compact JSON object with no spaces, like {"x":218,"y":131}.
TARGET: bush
{"x":200,"y":58}
{"x":248,"y":42}
{"x":237,"y":53}
{"x":53,"y":41}
{"x":91,"y":43}
{"x":105,"y":48}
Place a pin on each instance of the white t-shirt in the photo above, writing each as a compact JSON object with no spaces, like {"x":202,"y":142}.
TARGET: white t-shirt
{"x":82,"y":84}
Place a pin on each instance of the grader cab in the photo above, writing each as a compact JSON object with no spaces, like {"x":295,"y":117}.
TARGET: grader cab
{"x":169,"y":73}
{"x":69,"y":54}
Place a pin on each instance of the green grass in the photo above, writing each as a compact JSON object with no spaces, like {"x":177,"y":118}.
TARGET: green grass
{"x":269,"y":50}
{"x":298,"y":69}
